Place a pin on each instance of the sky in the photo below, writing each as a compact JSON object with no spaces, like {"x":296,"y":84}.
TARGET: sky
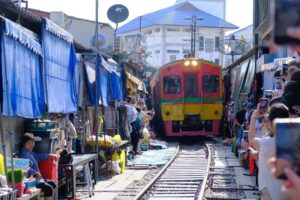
{"x":238,"y":12}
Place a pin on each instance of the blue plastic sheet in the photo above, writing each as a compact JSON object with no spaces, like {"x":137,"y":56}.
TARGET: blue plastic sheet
{"x":58,"y":69}
{"x":116,"y":86}
{"x":102,"y":83}
{"x":20,"y":61}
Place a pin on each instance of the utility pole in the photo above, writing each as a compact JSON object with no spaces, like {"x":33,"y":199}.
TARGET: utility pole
{"x":193,"y":20}
{"x":138,"y":49}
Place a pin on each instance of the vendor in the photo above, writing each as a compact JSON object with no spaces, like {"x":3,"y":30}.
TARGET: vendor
{"x":27,"y":145}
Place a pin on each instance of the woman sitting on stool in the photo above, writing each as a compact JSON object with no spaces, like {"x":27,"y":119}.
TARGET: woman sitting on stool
{"x":27,"y":145}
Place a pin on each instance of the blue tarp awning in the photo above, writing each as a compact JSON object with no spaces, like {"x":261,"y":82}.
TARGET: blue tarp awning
{"x":21,"y":76}
{"x":116,"y":86}
{"x":58,"y":68}
{"x":103,"y":88}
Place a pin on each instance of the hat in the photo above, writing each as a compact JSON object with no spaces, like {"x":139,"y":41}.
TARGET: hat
{"x":249,"y":106}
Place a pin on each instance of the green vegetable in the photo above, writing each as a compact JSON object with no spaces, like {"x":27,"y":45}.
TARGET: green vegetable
{"x":19,"y":175}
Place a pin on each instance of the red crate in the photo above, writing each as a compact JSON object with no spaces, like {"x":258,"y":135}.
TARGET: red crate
{"x":49,"y":169}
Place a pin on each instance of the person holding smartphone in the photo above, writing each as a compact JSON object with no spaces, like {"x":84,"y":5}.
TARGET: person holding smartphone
{"x":291,"y":37}
{"x":268,"y":185}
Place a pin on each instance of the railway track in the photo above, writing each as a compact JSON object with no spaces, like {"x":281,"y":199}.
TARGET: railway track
{"x":183,"y":178}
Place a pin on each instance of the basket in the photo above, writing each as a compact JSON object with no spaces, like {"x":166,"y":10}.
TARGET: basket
{"x":40,"y":126}
{"x":11,"y":195}
{"x":144,"y":146}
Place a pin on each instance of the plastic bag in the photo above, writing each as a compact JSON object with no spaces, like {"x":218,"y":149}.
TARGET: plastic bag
{"x":146,"y":133}
{"x":116,"y":167}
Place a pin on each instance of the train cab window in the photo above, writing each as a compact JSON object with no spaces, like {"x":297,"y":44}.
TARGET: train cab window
{"x":191,"y":85}
{"x":172,"y":85}
{"x":210,"y":83}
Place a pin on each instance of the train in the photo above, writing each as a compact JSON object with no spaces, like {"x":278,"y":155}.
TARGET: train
{"x":187,"y":96}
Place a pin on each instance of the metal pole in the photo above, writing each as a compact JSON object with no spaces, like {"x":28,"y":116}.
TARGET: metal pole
{"x":192,"y":35}
{"x":140,"y":42}
{"x":96,"y":92}
{"x":11,"y":139}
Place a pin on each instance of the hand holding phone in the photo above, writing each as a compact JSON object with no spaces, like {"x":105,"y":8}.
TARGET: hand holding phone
{"x":263,"y":105}
{"x":287,"y":137}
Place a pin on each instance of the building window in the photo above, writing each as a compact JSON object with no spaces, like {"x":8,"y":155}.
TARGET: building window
{"x":172,"y":29}
{"x":172,"y":58}
{"x":217,"y":61}
{"x":172,"y":85}
{"x":201,"y":43}
{"x":187,"y":30}
{"x":217,"y":43}
{"x":173,"y":51}
{"x":209,"y":43}
{"x":157,"y":30}
{"x":157,"y":51}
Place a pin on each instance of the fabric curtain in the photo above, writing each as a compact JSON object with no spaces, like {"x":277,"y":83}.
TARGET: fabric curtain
{"x":103,"y":88}
{"x":21,"y":75}
{"x":116,"y":86}
{"x":58,"y":69}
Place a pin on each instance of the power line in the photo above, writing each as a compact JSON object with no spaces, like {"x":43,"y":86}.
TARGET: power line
{"x":194,"y":20}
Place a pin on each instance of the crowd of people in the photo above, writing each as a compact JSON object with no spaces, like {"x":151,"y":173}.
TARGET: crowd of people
{"x":256,"y":132}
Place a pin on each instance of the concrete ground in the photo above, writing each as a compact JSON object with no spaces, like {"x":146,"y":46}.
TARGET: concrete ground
{"x":109,"y":189}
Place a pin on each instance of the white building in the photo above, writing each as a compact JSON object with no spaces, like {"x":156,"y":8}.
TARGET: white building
{"x":166,"y":33}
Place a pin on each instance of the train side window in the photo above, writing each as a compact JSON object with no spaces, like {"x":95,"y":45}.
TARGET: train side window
{"x":210,"y":83}
{"x":172,"y":85}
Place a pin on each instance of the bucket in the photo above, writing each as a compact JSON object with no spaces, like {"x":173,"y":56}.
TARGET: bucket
{"x":20,"y":189}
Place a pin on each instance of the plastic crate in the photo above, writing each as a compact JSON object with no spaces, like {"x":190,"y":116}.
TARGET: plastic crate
{"x":41,"y":126}
{"x":49,"y":169}
{"x":11,"y":195}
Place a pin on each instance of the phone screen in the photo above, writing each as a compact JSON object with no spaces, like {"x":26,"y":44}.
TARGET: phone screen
{"x":285,"y":68}
{"x":287,"y":147}
{"x":286,"y":15}
{"x":278,"y":83}
{"x":268,"y":94}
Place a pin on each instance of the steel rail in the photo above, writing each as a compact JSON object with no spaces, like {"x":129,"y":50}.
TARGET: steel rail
{"x":150,"y":184}
{"x":201,"y":194}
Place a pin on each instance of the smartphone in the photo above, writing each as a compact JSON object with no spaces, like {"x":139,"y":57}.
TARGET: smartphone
{"x":285,"y":68}
{"x":263,"y":105}
{"x":268,"y":94}
{"x":287,"y":141}
{"x":278,"y":83}
{"x":286,"y":14}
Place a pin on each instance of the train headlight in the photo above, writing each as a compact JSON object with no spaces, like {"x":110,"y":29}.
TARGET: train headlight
{"x":194,"y":63}
{"x":187,"y":63}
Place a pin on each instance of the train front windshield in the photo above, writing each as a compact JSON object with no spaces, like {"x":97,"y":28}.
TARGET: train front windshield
{"x":172,"y":85}
{"x":210,"y":83}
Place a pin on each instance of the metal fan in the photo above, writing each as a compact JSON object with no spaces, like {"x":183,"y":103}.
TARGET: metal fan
{"x":233,"y":47}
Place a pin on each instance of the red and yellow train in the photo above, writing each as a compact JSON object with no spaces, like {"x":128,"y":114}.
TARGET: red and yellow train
{"x":188,"y":98}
